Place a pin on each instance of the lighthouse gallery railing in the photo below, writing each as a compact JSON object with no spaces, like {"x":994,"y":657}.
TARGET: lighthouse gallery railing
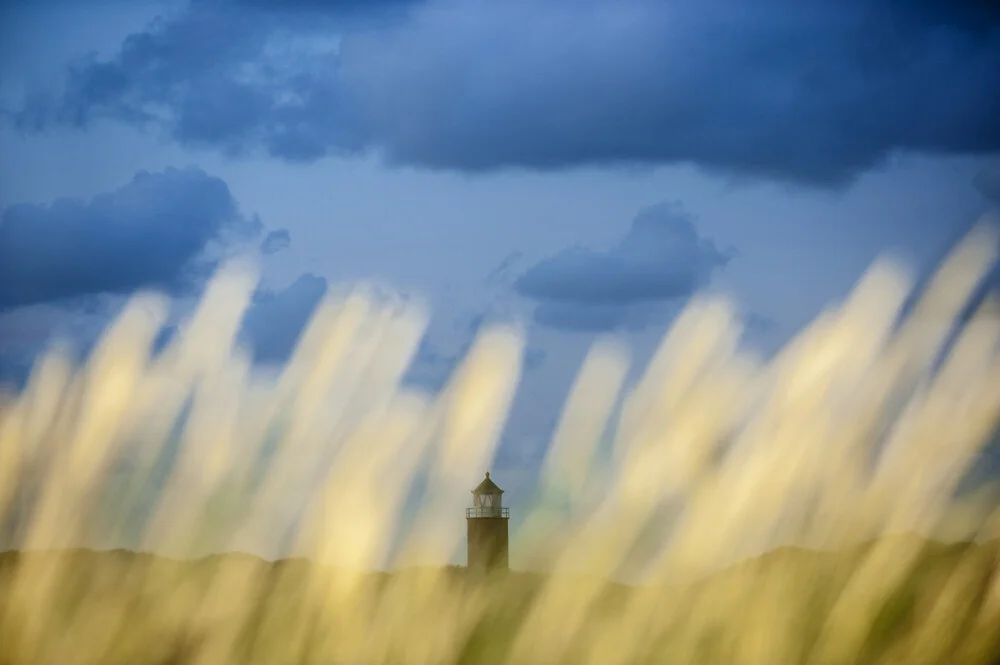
{"x":488,"y":512}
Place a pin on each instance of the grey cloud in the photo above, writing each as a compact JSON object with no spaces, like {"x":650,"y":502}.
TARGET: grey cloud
{"x":759,"y":323}
{"x":15,"y":369}
{"x":320,"y":6}
{"x":436,"y":362}
{"x":276,"y":319}
{"x":987,"y":291}
{"x":988,"y":183}
{"x":572,"y":317}
{"x":432,"y":367}
{"x":28,"y":332}
{"x":275,"y":241}
{"x":599,"y":317}
{"x":661,"y":259}
{"x":255,"y":87}
{"x":811,"y":91}
{"x":271,"y":326}
{"x":151,"y":233}
{"x":534,"y":358}
{"x":502,"y":274}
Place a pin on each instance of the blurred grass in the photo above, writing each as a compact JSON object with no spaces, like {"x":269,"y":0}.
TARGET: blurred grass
{"x":813,"y":509}
{"x":809,"y":582}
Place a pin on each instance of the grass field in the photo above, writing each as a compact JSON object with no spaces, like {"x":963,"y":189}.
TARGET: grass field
{"x":811,"y":509}
{"x":278,"y":623}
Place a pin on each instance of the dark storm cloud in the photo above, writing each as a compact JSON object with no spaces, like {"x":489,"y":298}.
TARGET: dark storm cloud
{"x":975,"y":17}
{"x":809,"y":90}
{"x":275,"y":241}
{"x":151,"y":233}
{"x":806,"y":90}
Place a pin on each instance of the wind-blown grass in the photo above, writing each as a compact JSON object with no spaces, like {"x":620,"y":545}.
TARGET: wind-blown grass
{"x":804,"y":510}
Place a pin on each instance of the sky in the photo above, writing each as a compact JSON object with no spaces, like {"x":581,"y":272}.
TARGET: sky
{"x":583,"y":166}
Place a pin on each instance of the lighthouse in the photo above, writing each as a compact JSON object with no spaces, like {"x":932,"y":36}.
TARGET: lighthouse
{"x":487,"y":528}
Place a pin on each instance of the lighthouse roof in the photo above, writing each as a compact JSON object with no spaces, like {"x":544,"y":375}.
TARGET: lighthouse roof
{"x":487,"y":486}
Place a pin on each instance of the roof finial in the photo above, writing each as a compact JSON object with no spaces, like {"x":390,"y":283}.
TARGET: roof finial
{"x":487,"y":475}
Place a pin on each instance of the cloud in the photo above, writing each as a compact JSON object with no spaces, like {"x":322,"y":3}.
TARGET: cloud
{"x":66,"y":269}
{"x":435,"y":361}
{"x":276,"y":319}
{"x":27,"y":332}
{"x":811,"y":91}
{"x":275,"y":241}
{"x":271,"y":326}
{"x":151,"y":233}
{"x":988,"y":183}
{"x":594,"y":318}
{"x":759,"y":323}
{"x":271,"y":83}
{"x":661,"y":259}
{"x":338,"y":6}
{"x":502,"y":274}
{"x":433,"y":366}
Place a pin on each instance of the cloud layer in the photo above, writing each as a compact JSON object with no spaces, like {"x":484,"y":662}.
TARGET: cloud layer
{"x":661,"y":259}
{"x":151,"y":233}
{"x":807,"y":90}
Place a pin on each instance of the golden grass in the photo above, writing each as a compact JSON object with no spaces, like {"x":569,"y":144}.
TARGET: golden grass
{"x":840,"y":459}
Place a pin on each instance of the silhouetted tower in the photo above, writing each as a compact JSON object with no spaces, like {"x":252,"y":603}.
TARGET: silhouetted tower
{"x":487,"y":520}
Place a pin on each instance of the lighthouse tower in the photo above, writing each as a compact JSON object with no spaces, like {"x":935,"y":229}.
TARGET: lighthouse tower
{"x":487,"y":534}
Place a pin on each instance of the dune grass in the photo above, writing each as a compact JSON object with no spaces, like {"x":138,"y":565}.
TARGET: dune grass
{"x":810,"y":509}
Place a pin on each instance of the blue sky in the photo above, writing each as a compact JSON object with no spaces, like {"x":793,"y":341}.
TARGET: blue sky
{"x":583,"y":166}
